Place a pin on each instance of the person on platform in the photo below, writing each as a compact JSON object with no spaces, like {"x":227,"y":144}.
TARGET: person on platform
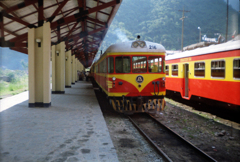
{"x":81,"y":76}
{"x":87,"y":73}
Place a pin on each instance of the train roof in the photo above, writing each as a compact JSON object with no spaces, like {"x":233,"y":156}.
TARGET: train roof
{"x":228,"y":46}
{"x":127,"y":47}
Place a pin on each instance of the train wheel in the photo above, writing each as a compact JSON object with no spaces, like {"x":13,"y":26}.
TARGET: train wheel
{"x":110,"y":102}
{"x":144,"y":109}
{"x":125,"y":105}
{"x":113,"y":104}
{"x":121,"y":108}
{"x":163,"y":104}
{"x":118,"y":107}
{"x":152,"y":106}
{"x":158,"y":105}
{"x":128,"y":105}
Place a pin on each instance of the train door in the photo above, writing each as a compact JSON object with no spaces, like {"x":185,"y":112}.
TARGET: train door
{"x":105,"y":73}
{"x":186,"y":69}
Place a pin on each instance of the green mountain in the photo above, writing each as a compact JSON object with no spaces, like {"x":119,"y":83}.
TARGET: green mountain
{"x":13,"y":60}
{"x":159,"y":21}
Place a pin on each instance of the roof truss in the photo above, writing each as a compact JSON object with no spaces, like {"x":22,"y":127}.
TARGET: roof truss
{"x":82,"y":24}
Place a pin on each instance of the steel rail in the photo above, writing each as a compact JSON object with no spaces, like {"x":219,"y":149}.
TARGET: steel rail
{"x":174,"y":133}
{"x":165,"y":157}
{"x":188,"y":142}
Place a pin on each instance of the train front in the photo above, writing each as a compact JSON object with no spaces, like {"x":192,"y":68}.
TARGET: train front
{"x":137,"y":81}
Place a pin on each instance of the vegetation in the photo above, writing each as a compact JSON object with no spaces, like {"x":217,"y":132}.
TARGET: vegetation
{"x":16,"y":82}
{"x":13,"y":72}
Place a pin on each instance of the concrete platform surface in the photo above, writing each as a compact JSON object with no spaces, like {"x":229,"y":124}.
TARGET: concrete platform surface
{"x":72,"y":129}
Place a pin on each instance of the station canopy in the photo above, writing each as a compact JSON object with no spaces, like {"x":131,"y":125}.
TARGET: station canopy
{"x":82,"y":24}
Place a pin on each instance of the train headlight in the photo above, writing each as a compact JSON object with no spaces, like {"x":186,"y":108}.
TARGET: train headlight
{"x":163,"y":78}
{"x":142,"y":44}
{"x":113,"y":78}
{"x":135,"y":44}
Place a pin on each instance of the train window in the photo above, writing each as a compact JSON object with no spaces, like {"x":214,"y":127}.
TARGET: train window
{"x":154,"y":64}
{"x":174,"y":70}
{"x":218,"y":69}
{"x":97,"y":68}
{"x":104,"y":64}
{"x":122,"y":64}
{"x":199,"y":69}
{"x":236,"y":68}
{"x":100,"y":67}
{"x":110,"y":65}
{"x":167,"y":70}
{"x":139,"y":64}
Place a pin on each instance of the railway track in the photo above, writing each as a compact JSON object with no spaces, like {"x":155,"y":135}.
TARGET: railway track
{"x":168,"y":143}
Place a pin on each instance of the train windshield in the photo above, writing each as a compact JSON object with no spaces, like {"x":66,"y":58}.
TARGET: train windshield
{"x":154,"y":64}
{"x":122,"y":64}
{"x":139,"y":64}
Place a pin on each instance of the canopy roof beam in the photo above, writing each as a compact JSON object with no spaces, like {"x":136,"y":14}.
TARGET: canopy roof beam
{"x":81,"y":25}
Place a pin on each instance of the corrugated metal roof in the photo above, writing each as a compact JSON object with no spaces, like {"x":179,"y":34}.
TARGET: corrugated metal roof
{"x":82,"y":23}
{"x":228,"y":46}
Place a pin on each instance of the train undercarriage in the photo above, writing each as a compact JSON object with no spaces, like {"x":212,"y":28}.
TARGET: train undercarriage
{"x":209,"y":103}
{"x":131,"y":105}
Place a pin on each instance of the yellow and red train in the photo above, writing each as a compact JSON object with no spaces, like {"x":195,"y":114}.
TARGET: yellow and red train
{"x":210,"y":73}
{"x":132,"y":74}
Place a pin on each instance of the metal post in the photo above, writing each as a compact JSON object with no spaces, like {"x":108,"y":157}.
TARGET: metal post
{"x":182,"y":29}
{"x":199,"y":34}
{"x":182,"y":18}
{"x":227,"y":24}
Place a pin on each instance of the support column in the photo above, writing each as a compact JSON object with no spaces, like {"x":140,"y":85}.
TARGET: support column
{"x":73,"y":69}
{"x":58,"y":73}
{"x":53,"y":68}
{"x":78,"y":67}
{"x":68,"y":69}
{"x":77,"y":71}
{"x":76,"y":75}
{"x":39,"y":45}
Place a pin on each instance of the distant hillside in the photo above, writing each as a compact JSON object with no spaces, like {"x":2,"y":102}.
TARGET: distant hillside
{"x":159,"y":21}
{"x":10,"y":59}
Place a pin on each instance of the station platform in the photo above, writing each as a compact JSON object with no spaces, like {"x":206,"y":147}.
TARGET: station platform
{"x":72,"y":129}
